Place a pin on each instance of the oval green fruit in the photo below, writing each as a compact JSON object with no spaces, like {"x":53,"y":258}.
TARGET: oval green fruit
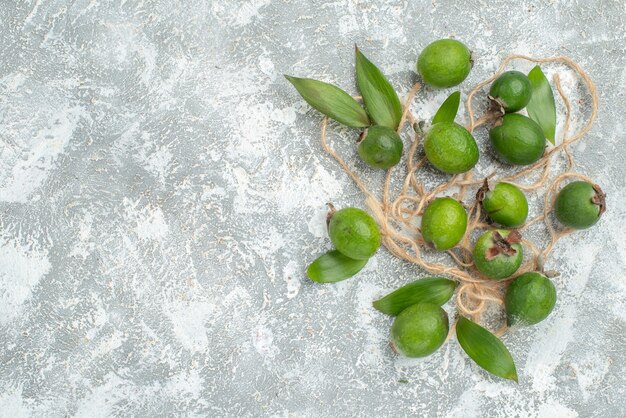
{"x":333,"y":267}
{"x":435,"y":290}
{"x":498,"y":253}
{"x":529,"y":299}
{"x":420,"y":330}
{"x":444,"y":63}
{"x":443,"y":223}
{"x":380,"y":147}
{"x":354,"y":233}
{"x":580,"y":204}
{"x":450,"y":148}
{"x":517,"y":139}
{"x":512,"y":90}
{"x":506,"y":205}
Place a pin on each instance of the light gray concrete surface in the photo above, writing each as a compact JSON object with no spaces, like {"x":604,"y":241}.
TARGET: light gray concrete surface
{"x":162,"y":189}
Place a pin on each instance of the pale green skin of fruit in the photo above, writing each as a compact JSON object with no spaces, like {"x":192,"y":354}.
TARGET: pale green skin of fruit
{"x":420,"y":330}
{"x":518,"y":140}
{"x":354,"y":233}
{"x":381,"y":147}
{"x":502,"y":265}
{"x":529,"y":299}
{"x":506,"y":205}
{"x":574,"y":208}
{"x":444,"y":63}
{"x":444,"y":223}
{"x":513,"y":89}
{"x":450,"y":148}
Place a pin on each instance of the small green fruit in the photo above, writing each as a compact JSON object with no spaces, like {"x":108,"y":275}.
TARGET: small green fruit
{"x":517,"y":139}
{"x":529,"y":299}
{"x":580,"y":204}
{"x":505,"y":204}
{"x":512,"y":90}
{"x":498,"y":254}
{"x":354,"y":233}
{"x":380,"y":147}
{"x":444,"y":63}
{"x":419,"y":330}
{"x":450,"y":148}
{"x":443,"y":223}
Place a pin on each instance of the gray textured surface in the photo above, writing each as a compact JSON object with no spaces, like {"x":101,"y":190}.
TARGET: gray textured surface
{"x":162,"y":190}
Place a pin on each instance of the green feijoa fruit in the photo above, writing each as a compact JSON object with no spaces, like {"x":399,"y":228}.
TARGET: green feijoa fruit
{"x":380,"y":147}
{"x":529,"y":299}
{"x":505,"y":204}
{"x":354,"y":233}
{"x":498,"y":253}
{"x":443,"y":223}
{"x":450,"y":148}
{"x":444,"y":63}
{"x":485,"y":349}
{"x":512,"y":91}
{"x":517,"y":139}
{"x":333,"y":267}
{"x":419,"y":330}
{"x":580,"y":204}
{"x":435,"y":290}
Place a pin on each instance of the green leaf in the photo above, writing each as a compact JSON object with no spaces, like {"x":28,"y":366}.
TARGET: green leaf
{"x":381,"y":101}
{"x":448,"y":109}
{"x":334,"y":267}
{"x":436,"y":290}
{"x":485,"y":349}
{"x":541,"y":107}
{"x":331,"y":101}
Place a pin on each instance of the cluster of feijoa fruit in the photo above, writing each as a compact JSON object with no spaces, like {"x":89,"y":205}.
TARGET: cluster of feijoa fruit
{"x":421,"y":325}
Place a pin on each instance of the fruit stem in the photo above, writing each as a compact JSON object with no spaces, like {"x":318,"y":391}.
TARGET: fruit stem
{"x":330,"y":213}
{"x":480,"y":194}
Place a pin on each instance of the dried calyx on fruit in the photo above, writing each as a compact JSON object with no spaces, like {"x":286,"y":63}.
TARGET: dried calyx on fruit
{"x":498,"y":253}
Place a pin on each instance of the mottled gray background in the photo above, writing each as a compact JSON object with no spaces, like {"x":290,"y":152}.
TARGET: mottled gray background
{"x":162,"y":190}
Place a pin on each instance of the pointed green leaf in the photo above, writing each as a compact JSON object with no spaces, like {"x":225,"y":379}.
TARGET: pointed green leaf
{"x":381,"y":100}
{"x":436,"y":290}
{"x":334,"y":267}
{"x":331,"y":101}
{"x":448,"y":109}
{"x":485,"y":349}
{"x":541,"y":107}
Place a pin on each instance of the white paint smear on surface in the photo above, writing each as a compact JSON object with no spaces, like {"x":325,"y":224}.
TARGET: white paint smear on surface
{"x":21,"y":271}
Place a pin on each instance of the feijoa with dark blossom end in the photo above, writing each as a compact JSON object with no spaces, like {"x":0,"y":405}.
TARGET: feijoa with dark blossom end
{"x":444,"y":223}
{"x":354,"y":233}
{"x":580,"y":204}
{"x":529,"y":299}
{"x":517,"y":139}
{"x":511,"y":91}
{"x":444,"y":63}
{"x":506,"y":204}
{"x":380,"y":147}
{"x":498,"y":253}
{"x":450,"y":148}
{"x":420,"y":330}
